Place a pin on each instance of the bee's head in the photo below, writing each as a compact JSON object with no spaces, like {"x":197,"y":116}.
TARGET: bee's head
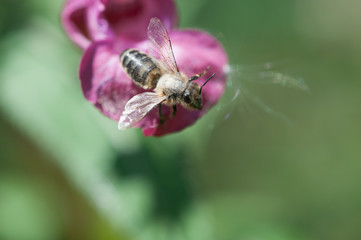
{"x":192,"y":96}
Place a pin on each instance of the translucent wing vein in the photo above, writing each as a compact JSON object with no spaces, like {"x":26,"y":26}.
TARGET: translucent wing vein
{"x":161,"y":44}
{"x":137,"y":107}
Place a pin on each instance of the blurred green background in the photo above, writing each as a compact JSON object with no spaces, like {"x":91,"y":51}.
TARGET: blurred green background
{"x":242,"y":172}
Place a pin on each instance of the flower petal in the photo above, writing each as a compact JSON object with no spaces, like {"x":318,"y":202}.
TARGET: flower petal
{"x":86,"y":21}
{"x":103,"y":82}
{"x":74,"y":21}
{"x":130,"y":18}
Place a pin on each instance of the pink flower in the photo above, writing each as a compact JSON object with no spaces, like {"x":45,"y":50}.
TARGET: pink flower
{"x":103,"y":80}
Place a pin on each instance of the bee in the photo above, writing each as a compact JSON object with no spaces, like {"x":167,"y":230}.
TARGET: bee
{"x":169,"y":85}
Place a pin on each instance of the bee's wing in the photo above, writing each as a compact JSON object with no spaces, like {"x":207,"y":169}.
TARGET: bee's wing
{"x":161,"y":44}
{"x":137,"y":107}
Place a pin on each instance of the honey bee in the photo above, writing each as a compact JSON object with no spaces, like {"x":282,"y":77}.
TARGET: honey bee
{"x":170,"y":86}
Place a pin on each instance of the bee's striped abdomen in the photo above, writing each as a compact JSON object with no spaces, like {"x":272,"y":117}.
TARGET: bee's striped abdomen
{"x":140,"y":68}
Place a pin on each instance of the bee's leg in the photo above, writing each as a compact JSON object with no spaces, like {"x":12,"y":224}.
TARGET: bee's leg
{"x":174,"y":111}
{"x":161,"y":116}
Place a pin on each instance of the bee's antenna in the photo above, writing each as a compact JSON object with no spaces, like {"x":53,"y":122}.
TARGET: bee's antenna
{"x":195,"y":77}
{"x":200,"y":90}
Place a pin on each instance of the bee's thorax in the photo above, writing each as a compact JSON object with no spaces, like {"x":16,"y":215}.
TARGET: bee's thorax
{"x":172,"y":86}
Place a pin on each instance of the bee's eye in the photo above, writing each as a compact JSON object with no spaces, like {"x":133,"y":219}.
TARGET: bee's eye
{"x":187,"y":98}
